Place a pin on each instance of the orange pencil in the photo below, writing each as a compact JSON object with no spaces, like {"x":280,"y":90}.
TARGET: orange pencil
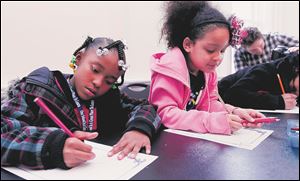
{"x":281,"y":85}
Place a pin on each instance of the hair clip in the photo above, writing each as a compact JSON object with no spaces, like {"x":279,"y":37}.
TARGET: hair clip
{"x":72,"y":64}
{"x":114,"y":86}
{"x":122,"y":64}
{"x":238,"y":34}
{"x":101,"y":52}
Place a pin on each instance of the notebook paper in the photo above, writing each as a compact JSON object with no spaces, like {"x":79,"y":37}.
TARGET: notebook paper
{"x":243,"y":138}
{"x":102,"y":167}
{"x":292,"y":111}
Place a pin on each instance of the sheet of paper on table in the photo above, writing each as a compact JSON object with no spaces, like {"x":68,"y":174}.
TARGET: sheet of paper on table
{"x":244,"y":138}
{"x":101,"y":167}
{"x":292,"y":111}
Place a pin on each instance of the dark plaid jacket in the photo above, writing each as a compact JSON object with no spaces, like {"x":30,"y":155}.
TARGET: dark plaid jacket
{"x":29,"y":137}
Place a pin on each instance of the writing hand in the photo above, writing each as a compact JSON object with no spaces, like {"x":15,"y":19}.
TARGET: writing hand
{"x":76,"y":151}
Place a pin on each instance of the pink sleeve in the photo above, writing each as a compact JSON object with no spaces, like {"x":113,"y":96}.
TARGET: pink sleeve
{"x":168,"y":94}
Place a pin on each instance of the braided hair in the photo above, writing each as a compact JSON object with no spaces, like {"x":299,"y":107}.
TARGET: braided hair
{"x":104,"y":45}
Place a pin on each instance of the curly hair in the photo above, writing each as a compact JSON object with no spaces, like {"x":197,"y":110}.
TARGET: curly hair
{"x":253,"y":35}
{"x":190,"y":19}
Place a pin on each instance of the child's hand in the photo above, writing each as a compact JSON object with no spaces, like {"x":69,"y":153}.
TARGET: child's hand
{"x":131,"y":142}
{"x":290,"y":100}
{"x":234,"y":122}
{"x":249,"y":115}
{"x":293,"y":49}
{"x":76,"y":151}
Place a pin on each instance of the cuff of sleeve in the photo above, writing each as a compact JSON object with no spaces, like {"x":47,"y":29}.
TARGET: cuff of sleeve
{"x":218,"y":123}
{"x":140,"y":126}
{"x":231,"y":108}
{"x":52,"y":151}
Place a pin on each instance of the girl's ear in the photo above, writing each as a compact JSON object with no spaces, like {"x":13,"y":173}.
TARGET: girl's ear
{"x":187,"y":44}
{"x":78,"y":58}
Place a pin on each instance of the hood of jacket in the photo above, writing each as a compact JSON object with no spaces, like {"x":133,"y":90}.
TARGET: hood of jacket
{"x":171,"y":64}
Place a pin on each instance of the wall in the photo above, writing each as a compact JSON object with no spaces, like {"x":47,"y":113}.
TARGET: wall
{"x":35,"y":34}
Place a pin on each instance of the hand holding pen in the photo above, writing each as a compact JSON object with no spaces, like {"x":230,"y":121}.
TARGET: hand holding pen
{"x":236,"y":122}
{"x":249,"y":117}
{"x":236,"y":117}
{"x":75,"y":151}
{"x":290,"y":100}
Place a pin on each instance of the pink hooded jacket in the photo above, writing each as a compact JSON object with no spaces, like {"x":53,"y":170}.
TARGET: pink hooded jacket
{"x":170,"y":91}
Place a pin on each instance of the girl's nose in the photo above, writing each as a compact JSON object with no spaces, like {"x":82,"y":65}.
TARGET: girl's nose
{"x":218,"y":57}
{"x":98,"y":81}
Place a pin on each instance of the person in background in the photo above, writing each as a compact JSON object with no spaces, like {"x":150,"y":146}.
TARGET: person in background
{"x":259,"y":86}
{"x":256,"y":48}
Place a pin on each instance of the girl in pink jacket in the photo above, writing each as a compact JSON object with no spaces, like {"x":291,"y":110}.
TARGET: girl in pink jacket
{"x":184,"y":81}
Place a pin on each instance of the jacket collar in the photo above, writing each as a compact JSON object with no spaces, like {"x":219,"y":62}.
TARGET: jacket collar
{"x":172,"y":64}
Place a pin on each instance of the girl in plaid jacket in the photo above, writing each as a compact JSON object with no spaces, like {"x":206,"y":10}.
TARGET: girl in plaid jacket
{"x":88,"y":102}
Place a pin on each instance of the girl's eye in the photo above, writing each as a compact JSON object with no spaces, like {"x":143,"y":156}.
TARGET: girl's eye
{"x":109,"y":82}
{"x":95,"y":70}
{"x":210,"y":51}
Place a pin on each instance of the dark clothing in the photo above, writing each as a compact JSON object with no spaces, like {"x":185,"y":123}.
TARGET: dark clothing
{"x":197,"y":84}
{"x":29,"y":137}
{"x":258,"y":86}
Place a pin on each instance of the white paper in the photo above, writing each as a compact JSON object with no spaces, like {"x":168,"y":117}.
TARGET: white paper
{"x":292,"y":111}
{"x":244,"y":138}
{"x":100,"y":168}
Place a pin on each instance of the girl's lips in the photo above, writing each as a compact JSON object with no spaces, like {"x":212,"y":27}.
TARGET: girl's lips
{"x":90,"y":92}
{"x":212,"y":66}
